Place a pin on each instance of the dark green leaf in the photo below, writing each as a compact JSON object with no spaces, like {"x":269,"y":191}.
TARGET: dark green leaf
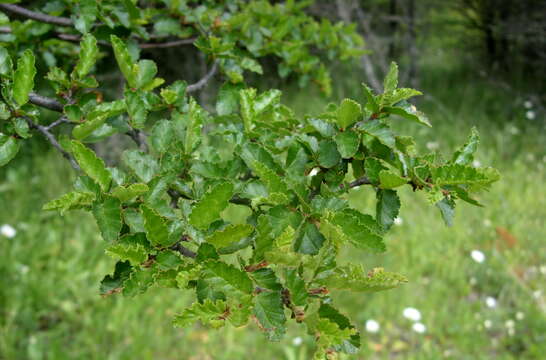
{"x":108,"y":217}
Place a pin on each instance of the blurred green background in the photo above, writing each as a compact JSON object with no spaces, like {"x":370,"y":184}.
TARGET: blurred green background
{"x":50,"y":306}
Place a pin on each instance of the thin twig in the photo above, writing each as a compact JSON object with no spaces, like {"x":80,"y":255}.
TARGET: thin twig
{"x":201,"y":83}
{"x":46,"y":102}
{"x":53,"y":141}
{"x":55,"y":20}
{"x":166,"y":44}
{"x":58,"y":122}
{"x":360,"y":181}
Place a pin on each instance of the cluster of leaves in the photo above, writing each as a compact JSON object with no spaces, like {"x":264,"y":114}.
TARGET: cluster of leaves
{"x":162,"y":211}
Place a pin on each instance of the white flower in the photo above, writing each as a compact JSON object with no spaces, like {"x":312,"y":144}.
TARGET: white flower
{"x":528,"y":104}
{"x":398,"y":221}
{"x":530,"y":114}
{"x":510,"y":323}
{"x":511,"y":331}
{"x":477,"y":256}
{"x":24,"y":269}
{"x":412,"y":313}
{"x":433,"y":145}
{"x":487,"y":223}
{"x":520,"y":315}
{"x":419,"y":328}
{"x":537,"y":294}
{"x":513,"y":130}
{"x":8,"y":231}
{"x":543,"y":269}
{"x":487,"y":323}
{"x":476,"y":163}
{"x":297,"y":341}
{"x":372,"y":326}
{"x":490,"y":302}
{"x":313,"y":172}
{"x":473,"y":281}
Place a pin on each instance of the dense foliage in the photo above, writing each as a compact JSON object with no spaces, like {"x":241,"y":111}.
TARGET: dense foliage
{"x":162,"y":209}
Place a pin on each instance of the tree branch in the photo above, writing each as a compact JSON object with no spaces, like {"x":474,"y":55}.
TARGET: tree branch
{"x":48,"y":19}
{"x":45,"y":102}
{"x":53,"y":141}
{"x":360,"y":181}
{"x":201,"y":83}
{"x":166,"y":44}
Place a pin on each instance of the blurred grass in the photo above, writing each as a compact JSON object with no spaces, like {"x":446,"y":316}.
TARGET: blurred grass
{"x":49,"y":273}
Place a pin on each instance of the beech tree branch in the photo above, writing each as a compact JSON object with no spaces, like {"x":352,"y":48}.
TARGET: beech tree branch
{"x":34,"y":15}
{"x":360,"y":181}
{"x":53,"y":141}
{"x":45,"y":102}
{"x":203,"y":82}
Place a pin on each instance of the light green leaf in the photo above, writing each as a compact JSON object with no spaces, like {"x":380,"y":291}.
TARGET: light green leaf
{"x":296,"y":287}
{"x":458,"y":174}
{"x":465,"y":154}
{"x":379,"y":130}
{"x":208,"y":209}
{"x":230,"y":235}
{"x":310,"y":240}
{"x":390,"y":180}
{"x":88,"y":55}
{"x":126,"y":194}
{"x":348,"y":113}
{"x":23,"y":78}
{"x":108,"y":217}
{"x":209,"y":313}
{"x":266,"y":101}
{"x":398,"y":95}
{"x":136,"y":254}
{"x":273,"y":182}
{"x":226,"y":278}
{"x":9,"y":147}
{"x":371,"y":100}
{"x":137,"y":107}
{"x":329,"y":335}
{"x":387,"y":207}
{"x":361,"y":230}
{"x":143,"y":165}
{"x":353,"y":277}
{"x":391,"y":80}
{"x":409,"y":112}
{"x":162,"y":136}
{"x":193,"y":129}
{"x":92,"y":165}
{"x":6,"y":65}
{"x":228,"y":98}
{"x":124,"y":60}
{"x":350,"y":346}
{"x":156,"y":228}
{"x":347,"y":143}
{"x":247,"y":98}
{"x":70,"y":201}
{"x":268,"y":309}
{"x":447,"y":209}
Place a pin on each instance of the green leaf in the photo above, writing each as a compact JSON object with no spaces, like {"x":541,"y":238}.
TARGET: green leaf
{"x":458,"y":174}
{"x":137,"y":107}
{"x":108,"y":217}
{"x":266,"y":101}
{"x":296,"y":287}
{"x":70,"y":201}
{"x":162,"y":136}
{"x":113,"y":283}
{"x":157,"y":230}
{"x":226,"y":278}
{"x":143,"y":165}
{"x":310,"y":240}
{"x":348,"y":113}
{"x":193,"y":129}
{"x":408,"y":112}
{"x":391,"y":80}
{"x":168,"y":259}
{"x":277,"y":188}
{"x":88,"y":55}
{"x":136,"y":254}
{"x":371,"y":101}
{"x":208,"y":209}
{"x":209,"y":313}
{"x":266,"y":279}
{"x":328,"y":156}
{"x":347,"y":143}
{"x":360,"y":230}
{"x":329,"y":335}
{"x":6,"y":65}
{"x":447,"y":209}
{"x":465,"y":154}
{"x":350,"y":346}
{"x":269,"y":312}
{"x":380,"y":131}
{"x":372,"y":168}
{"x":147,"y":70}
{"x":353,"y":277}
{"x":247,"y":99}
{"x":230,"y":235}
{"x":228,"y":99}
{"x":9,"y":147}
{"x":126,"y":194}
{"x":23,"y":78}
{"x":390,"y":180}
{"x":92,"y":165}
{"x":387,"y":207}
{"x":124,"y":60}
{"x":398,"y":95}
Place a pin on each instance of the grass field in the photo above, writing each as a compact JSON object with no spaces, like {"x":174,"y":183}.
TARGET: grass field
{"x":50,"y":270}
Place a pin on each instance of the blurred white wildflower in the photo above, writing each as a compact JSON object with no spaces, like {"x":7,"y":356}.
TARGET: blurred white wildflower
{"x":528,"y":104}
{"x":372,"y":326}
{"x":433,"y":145}
{"x":490,"y":302}
{"x":297,"y":341}
{"x":530,"y":114}
{"x":8,"y":231}
{"x":476,"y":163}
{"x":412,"y":313}
{"x":398,"y":221}
{"x":477,"y":256}
{"x":510,"y":323}
{"x":537,"y":294}
{"x":520,"y":315}
{"x":513,"y":130}
{"x":24,"y":269}
{"x":543,"y":269}
{"x":313,"y":172}
{"x":487,"y":324}
{"x":473,"y":281}
{"x":511,"y":331}
{"x":487,"y":223}
{"x":419,"y":328}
